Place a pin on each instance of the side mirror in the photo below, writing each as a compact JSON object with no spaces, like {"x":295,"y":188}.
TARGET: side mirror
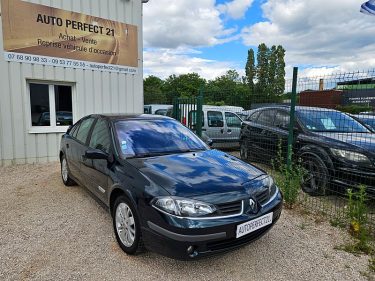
{"x":96,"y":154}
{"x":210,"y":142}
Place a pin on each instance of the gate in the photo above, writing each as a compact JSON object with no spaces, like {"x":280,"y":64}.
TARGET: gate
{"x":188,"y":111}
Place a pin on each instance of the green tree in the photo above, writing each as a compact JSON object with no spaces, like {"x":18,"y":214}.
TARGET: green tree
{"x":250,"y":70}
{"x":185,"y":85}
{"x":271,"y":81}
{"x":153,"y":90}
{"x":262,"y":73}
{"x":227,"y":89}
{"x":280,"y":70}
{"x":267,"y":78}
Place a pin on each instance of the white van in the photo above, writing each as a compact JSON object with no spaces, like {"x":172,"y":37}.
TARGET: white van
{"x":159,"y":109}
{"x":221,"y":124}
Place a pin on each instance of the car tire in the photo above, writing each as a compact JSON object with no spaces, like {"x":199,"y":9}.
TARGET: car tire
{"x":65,"y":173}
{"x":126,"y":225}
{"x":244,"y":151}
{"x":316,"y":180}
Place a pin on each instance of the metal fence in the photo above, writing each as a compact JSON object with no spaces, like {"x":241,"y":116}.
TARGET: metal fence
{"x":324,"y":124}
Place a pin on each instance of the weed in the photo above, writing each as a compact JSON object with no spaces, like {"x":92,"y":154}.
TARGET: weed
{"x":356,"y":248}
{"x":303,"y":226}
{"x":357,"y":216}
{"x":338,"y":222}
{"x":289,"y":179}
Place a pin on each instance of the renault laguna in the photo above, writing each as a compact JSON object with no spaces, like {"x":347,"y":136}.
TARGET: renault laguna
{"x":166,"y":190}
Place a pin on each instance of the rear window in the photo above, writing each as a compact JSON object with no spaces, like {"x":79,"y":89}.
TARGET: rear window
{"x":253,"y":117}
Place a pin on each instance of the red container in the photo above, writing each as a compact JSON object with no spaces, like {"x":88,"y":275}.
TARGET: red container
{"x":325,"y":98}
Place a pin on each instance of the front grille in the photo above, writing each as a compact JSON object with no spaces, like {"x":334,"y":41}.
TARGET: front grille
{"x":227,"y":244}
{"x":231,"y":208}
{"x":262,"y":196}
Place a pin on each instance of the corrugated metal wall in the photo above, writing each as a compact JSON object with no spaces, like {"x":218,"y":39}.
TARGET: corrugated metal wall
{"x":94,"y":91}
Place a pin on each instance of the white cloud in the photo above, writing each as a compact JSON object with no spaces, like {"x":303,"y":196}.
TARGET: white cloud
{"x":174,"y":29}
{"x":235,"y":9}
{"x":164,"y":62}
{"x":173,"y":24}
{"x":320,"y":34}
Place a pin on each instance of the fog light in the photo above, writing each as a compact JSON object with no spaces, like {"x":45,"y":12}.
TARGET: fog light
{"x":190,"y":250}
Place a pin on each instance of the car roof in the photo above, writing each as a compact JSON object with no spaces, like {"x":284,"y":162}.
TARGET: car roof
{"x":298,"y":108}
{"x":122,"y":116}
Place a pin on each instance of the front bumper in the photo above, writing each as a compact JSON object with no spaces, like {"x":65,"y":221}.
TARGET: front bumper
{"x":207,"y":237}
{"x":353,"y":177}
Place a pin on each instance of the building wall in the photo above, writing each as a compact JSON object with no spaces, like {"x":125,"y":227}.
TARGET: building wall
{"x":324,"y":98}
{"x":94,"y":91}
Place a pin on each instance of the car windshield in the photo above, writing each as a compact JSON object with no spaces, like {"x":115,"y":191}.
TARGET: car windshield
{"x":330,"y":121}
{"x":147,"y":138}
{"x":368,"y":121}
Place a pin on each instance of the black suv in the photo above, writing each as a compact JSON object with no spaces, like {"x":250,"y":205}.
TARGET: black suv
{"x":336,"y":150}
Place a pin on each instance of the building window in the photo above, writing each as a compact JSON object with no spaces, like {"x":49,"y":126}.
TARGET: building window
{"x":51,"y":106}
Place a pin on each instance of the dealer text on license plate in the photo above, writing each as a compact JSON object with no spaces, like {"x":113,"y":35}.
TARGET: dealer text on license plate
{"x":250,"y":226}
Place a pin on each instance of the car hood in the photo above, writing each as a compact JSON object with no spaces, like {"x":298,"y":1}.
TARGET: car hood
{"x":198,"y":173}
{"x":365,"y":141}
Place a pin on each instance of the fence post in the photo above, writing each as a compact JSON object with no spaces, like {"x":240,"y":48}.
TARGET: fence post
{"x":198,"y":124}
{"x":175,"y":108}
{"x":292,"y":117}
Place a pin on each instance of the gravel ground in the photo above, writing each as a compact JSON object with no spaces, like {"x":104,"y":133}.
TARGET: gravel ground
{"x":50,"y":232}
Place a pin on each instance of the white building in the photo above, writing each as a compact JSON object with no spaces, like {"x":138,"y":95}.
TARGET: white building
{"x":57,"y":66}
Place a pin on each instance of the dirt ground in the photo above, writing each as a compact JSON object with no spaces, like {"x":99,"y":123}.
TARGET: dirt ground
{"x":51,"y":232}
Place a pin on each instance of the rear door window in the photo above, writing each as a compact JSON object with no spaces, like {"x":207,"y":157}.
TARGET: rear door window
{"x":266,"y":117}
{"x":215,"y":119}
{"x":282,"y":119}
{"x":84,"y":129}
{"x":100,"y":138}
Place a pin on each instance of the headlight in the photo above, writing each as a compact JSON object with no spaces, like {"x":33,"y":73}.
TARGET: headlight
{"x":350,"y":155}
{"x":183,"y":207}
{"x":269,"y":182}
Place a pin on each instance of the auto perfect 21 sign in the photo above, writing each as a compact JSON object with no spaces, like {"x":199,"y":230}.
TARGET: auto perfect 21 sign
{"x":44,"y":35}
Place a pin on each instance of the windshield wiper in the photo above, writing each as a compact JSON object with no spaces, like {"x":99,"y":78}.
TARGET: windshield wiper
{"x":148,"y":154}
{"x":191,"y":150}
{"x":153,"y":154}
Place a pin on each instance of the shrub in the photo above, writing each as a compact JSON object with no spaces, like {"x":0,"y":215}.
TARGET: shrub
{"x":354,"y":108}
{"x":289,"y":179}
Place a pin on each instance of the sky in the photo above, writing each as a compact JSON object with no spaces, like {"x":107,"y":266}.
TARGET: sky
{"x":209,"y":37}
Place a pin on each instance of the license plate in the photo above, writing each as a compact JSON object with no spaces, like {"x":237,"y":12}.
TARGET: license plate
{"x":250,"y":226}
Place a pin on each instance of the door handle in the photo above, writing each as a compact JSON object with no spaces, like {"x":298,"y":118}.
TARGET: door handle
{"x":229,"y":131}
{"x":67,"y":145}
{"x":222,"y":131}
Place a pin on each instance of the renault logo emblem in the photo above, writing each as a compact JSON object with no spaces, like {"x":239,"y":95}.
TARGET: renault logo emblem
{"x":253,"y":205}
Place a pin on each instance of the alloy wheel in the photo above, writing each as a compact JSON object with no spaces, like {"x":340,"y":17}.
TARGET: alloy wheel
{"x":125,"y":224}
